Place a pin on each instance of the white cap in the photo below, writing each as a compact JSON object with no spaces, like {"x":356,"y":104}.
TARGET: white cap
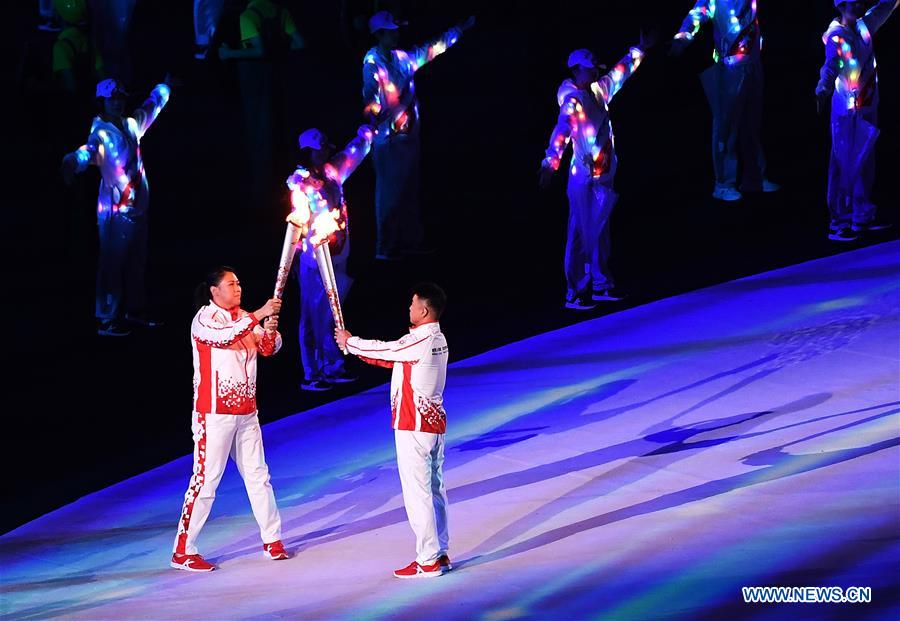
{"x":312,"y":139}
{"x":384,"y":20}
{"x":110,"y":88}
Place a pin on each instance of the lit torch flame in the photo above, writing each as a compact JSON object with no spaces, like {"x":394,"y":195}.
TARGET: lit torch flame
{"x":299,"y":216}
{"x":297,"y":227}
{"x":326,"y":223}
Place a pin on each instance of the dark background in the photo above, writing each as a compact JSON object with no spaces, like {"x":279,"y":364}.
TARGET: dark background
{"x":87,"y":411}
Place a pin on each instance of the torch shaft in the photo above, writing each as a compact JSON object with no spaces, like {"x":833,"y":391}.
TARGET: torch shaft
{"x":326,"y":271}
{"x":291,"y":237}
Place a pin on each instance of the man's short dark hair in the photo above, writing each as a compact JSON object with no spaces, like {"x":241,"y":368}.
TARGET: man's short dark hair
{"x":433,"y":296}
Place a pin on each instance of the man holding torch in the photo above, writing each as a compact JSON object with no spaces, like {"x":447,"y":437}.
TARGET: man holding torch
{"x":317,"y":187}
{"x":419,"y":372}
{"x":226,"y":340}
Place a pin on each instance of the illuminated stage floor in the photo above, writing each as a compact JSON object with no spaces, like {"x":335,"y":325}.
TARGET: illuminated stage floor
{"x":642,"y":465}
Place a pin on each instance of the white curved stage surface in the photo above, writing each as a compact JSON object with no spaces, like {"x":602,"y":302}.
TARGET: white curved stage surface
{"x":642,"y":465}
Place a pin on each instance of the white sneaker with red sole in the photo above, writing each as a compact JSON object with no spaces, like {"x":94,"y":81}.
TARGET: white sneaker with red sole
{"x":414,"y":570}
{"x":191,"y":562}
{"x":275,"y":551}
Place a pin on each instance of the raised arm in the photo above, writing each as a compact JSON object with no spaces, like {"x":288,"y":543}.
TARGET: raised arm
{"x":610,"y":84}
{"x":423,"y":54}
{"x":703,"y":11}
{"x":344,"y":163}
{"x":878,"y":14}
{"x":152,"y":106}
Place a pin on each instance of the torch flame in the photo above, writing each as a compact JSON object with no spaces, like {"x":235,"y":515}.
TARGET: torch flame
{"x":326,"y":223}
{"x":300,"y":214}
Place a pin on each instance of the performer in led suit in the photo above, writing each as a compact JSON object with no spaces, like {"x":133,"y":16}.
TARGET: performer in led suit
{"x":389,"y":94}
{"x":849,"y":79}
{"x":320,"y":185}
{"x":114,"y":146}
{"x":734,"y":88}
{"x":584,"y":120}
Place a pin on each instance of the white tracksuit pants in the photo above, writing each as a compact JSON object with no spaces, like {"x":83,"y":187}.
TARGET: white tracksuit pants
{"x":216,"y":436}
{"x":420,"y":459}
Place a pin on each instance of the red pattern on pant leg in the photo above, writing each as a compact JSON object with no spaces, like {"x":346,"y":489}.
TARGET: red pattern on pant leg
{"x":194,"y":487}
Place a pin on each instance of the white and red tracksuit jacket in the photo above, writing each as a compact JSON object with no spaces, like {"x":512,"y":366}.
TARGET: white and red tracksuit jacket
{"x":419,"y":362}
{"x":225,"y":345}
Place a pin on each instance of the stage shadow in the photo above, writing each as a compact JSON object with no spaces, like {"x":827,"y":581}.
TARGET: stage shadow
{"x":784,"y":466}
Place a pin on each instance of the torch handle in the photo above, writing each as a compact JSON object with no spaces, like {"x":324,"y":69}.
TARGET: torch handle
{"x":326,"y":271}
{"x":292,"y":236}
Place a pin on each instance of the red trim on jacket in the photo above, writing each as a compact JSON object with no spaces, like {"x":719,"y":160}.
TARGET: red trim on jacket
{"x":389,"y":349}
{"x":387,"y":364}
{"x":204,"y":390}
{"x":407,"y":419}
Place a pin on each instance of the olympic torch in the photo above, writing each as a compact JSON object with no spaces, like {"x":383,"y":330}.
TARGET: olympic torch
{"x":297,"y":227}
{"x":327,"y":223}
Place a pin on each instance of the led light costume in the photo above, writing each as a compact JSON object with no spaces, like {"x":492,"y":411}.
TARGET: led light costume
{"x":225,"y":420}
{"x":389,"y":95}
{"x":122,"y":205}
{"x":734,"y":88}
{"x":322,"y":190}
{"x":850,"y":74}
{"x":584,"y":121}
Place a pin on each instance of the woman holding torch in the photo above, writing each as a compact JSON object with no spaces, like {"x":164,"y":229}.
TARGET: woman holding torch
{"x":226,"y":341}
{"x":318,"y":186}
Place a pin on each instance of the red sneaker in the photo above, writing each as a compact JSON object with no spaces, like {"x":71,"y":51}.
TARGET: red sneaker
{"x":191,"y":562}
{"x":414,"y":570}
{"x":444,"y":560}
{"x":275,"y":551}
